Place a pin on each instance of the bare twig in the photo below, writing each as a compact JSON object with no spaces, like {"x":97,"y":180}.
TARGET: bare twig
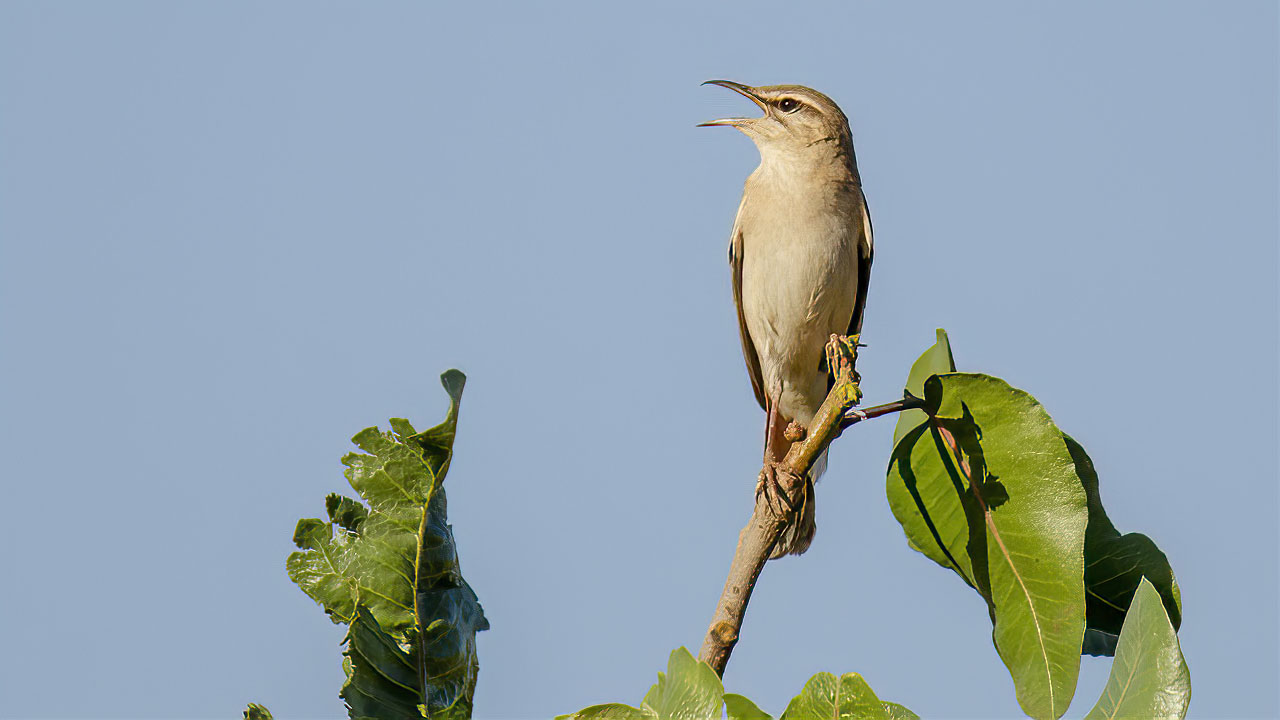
{"x":756,"y":541}
{"x":908,"y":402}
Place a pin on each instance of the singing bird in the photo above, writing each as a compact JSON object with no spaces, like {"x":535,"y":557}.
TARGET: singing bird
{"x":800,"y":254}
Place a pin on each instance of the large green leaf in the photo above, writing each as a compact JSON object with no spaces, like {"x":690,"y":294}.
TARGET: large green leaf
{"x":987,"y":487}
{"x":1114,"y":565}
{"x":1149,"y":677}
{"x":388,"y":567}
{"x":847,"y":697}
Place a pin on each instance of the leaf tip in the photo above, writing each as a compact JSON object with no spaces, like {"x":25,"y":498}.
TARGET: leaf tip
{"x":453,"y":381}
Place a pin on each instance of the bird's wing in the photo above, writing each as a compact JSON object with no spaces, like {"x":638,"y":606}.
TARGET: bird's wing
{"x":748,"y":347}
{"x":863,"y":259}
{"x":864,"y":271}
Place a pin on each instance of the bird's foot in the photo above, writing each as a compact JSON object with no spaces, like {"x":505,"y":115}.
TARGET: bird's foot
{"x":777,"y":484}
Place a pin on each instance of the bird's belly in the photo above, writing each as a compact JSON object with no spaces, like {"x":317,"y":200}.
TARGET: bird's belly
{"x":797,"y":291}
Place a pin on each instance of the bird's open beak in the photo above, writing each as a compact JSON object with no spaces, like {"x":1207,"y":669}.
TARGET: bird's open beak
{"x":743,"y":90}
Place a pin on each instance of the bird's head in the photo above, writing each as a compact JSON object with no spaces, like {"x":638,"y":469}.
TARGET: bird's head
{"x":795,"y":118}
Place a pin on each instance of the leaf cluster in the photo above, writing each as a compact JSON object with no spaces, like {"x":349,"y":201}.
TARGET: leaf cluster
{"x":986,"y":485}
{"x":387,"y":567}
{"x":691,"y":690}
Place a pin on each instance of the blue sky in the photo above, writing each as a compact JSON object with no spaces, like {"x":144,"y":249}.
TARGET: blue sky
{"x":233,"y":234}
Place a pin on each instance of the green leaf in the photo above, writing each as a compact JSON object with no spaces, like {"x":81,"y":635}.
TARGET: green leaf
{"x":1114,"y":565}
{"x":987,"y":487}
{"x":934,"y":361}
{"x":1149,"y":676}
{"x":690,"y":690}
{"x":389,"y":568}
{"x":257,"y":712}
{"x":826,"y":696}
{"x":740,"y":708}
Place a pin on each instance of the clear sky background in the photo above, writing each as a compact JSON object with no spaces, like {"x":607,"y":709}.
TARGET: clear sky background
{"x":233,"y":234}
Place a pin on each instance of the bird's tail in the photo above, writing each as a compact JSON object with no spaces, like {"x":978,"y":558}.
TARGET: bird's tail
{"x":797,"y":536}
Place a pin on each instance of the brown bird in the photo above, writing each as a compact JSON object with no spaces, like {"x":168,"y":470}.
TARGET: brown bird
{"x":800,"y":253}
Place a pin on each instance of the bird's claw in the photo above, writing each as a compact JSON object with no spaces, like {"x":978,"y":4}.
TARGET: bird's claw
{"x":775,"y":495}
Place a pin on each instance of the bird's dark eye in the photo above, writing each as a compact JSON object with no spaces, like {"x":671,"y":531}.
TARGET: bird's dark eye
{"x":788,"y":105}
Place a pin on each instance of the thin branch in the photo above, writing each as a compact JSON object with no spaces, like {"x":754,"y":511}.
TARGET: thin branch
{"x":768,"y":520}
{"x":908,"y":402}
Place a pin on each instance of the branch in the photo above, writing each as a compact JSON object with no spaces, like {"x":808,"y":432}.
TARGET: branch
{"x":756,"y":541}
{"x":908,"y":402}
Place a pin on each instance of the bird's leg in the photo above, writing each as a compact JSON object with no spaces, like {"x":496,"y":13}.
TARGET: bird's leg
{"x":772,"y":475}
{"x":767,"y":483}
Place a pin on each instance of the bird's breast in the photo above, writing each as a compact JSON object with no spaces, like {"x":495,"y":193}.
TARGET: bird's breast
{"x":799,"y":284}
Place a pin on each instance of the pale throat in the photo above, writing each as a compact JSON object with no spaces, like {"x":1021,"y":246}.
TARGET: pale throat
{"x":791,"y":163}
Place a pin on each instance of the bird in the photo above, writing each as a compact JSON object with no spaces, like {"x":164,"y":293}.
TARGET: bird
{"x":800,"y":258}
